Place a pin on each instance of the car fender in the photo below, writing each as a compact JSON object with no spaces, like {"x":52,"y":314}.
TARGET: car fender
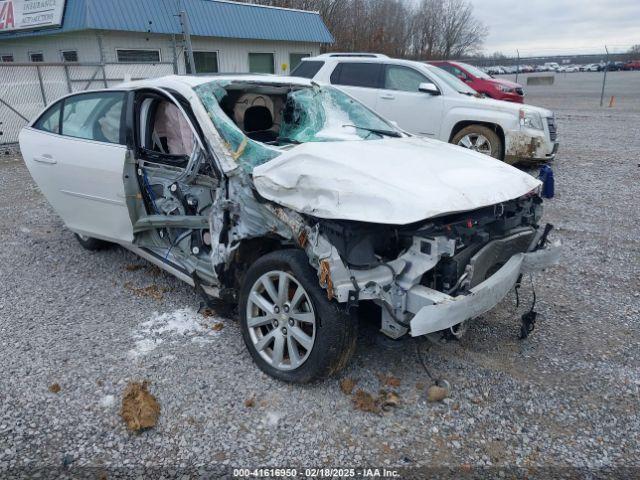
{"x":505,"y":119}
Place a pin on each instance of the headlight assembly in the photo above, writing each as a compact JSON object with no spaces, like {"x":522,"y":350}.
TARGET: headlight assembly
{"x":530,"y":119}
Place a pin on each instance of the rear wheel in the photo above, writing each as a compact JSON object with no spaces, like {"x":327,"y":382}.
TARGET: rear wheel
{"x":90,"y":243}
{"x":293,"y":332}
{"x":480,"y":139}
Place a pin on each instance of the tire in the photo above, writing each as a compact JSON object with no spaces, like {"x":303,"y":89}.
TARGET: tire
{"x":91,"y":244}
{"x":333,"y":335}
{"x":471,"y":137}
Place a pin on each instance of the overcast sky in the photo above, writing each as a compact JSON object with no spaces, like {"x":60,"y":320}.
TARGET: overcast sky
{"x":558,"y":26}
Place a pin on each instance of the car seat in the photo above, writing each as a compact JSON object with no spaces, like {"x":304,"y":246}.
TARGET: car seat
{"x":258,"y":122}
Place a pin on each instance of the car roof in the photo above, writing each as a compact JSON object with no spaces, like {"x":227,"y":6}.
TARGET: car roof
{"x":195,"y":80}
{"x":370,"y":58}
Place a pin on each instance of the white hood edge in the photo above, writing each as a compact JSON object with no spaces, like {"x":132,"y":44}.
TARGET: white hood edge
{"x":390,"y":181}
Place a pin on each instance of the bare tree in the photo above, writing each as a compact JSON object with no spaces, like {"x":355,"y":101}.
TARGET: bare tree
{"x":426,"y":30}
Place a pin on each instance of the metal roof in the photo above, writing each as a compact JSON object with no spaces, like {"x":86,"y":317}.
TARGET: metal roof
{"x":209,"y":18}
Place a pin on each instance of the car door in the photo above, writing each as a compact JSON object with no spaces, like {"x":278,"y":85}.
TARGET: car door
{"x":361,"y":80}
{"x":76,"y":154}
{"x":400,"y":100}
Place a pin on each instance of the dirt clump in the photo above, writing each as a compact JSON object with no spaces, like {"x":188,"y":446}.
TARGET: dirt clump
{"x":383,"y":402}
{"x":347,"y":385}
{"x":152,"y":291}
{"x":140,"y":410}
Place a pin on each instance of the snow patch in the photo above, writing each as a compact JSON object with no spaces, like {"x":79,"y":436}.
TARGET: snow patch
{"x":107,"y":401}
{"x":184,"y":323}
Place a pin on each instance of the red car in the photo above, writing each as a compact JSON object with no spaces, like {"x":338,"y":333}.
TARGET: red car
{"x":632,"y":65}
{"x":483,"y":83}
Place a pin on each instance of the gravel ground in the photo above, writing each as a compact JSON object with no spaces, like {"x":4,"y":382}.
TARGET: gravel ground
{"x":566,"y":398}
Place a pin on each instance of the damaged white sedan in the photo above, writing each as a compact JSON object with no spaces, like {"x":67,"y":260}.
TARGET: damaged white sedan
{"x":294,"y":200}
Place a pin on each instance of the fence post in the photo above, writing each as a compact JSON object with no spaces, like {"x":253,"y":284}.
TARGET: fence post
{"x":104,"y":72}
{"x":44,"y":96}
{"x":175,"y":54}
{"x":187,"y":38}
{"x":67,"y":78}
{"x":604,"y":79}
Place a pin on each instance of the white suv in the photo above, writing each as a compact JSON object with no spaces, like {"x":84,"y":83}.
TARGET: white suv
{"x":427,"y":101}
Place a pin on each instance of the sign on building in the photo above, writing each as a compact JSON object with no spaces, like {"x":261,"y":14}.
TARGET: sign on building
{"x":29,"y":14}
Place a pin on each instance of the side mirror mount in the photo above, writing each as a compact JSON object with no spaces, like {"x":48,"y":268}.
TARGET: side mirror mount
{"x":430,"y":88}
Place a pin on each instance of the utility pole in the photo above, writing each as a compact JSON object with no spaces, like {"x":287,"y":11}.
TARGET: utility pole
{"x":604,"y":79}
{"x":518,"y":65}
{"x":186,"y":29}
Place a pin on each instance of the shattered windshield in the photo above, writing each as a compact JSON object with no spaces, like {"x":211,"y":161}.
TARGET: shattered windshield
{"x":259,"y":121}
{"x":325,"y":114}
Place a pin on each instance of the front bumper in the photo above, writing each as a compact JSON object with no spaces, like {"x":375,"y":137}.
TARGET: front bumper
{"x":436,"y":311}
{"x":531,"y":146}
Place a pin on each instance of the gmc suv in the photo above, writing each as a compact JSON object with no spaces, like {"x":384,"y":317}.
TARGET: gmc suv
{"x":427,"y":101}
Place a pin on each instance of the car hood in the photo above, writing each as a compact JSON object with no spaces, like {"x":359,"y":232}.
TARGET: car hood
{"x":507,"y":83}
{"x":390,"y":181}
{"x":486,"y":103}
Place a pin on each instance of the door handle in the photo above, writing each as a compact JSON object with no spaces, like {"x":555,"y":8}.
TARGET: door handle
{"x":46,"y":158}
{"x":388,"y":96}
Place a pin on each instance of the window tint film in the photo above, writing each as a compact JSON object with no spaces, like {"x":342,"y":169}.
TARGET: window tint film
{"x":50,"y":120}
{"x":307,"y":69}
{"x":357,"y":74}
{"x":94,"y":116}
{"x":403,"y":79}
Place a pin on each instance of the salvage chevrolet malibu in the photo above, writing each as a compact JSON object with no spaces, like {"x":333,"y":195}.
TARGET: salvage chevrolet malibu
{"x":293,"y":200}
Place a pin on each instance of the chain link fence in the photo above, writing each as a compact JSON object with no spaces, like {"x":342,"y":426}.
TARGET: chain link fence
{"x":26,"y":88}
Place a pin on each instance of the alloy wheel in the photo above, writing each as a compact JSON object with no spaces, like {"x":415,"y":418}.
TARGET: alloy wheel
{"x":476,"y":142}
{"x":281,"y":320}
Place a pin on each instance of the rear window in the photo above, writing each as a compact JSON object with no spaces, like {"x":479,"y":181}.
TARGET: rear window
{"x":360,"y":74}
{"x":307,"y":69}
{"x":50,"y":120}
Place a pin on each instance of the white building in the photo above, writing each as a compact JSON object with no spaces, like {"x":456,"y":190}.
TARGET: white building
{"x":52,"y":47}
{"x":226,"y":36}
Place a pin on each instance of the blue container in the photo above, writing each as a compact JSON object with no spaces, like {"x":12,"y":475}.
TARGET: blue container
{"x":548,"y":182}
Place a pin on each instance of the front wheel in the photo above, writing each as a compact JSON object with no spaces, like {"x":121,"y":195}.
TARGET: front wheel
{"x":293,"y":332}
{"x":480,"y":139}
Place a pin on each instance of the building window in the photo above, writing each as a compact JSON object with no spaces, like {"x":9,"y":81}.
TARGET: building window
{"x":206,"y":62}
{"x":295,"y":59}
{"x":137,"y":56}
{"x":69,"y":56}
{"x":261,"y":63}
{"x":36,"y":57}
{"x":6,"y":58}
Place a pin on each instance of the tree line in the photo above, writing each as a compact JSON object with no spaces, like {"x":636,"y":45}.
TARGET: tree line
{"x":424,"y":30}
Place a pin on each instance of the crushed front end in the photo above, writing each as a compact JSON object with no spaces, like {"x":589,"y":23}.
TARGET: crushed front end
{"x":433,"y":275}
